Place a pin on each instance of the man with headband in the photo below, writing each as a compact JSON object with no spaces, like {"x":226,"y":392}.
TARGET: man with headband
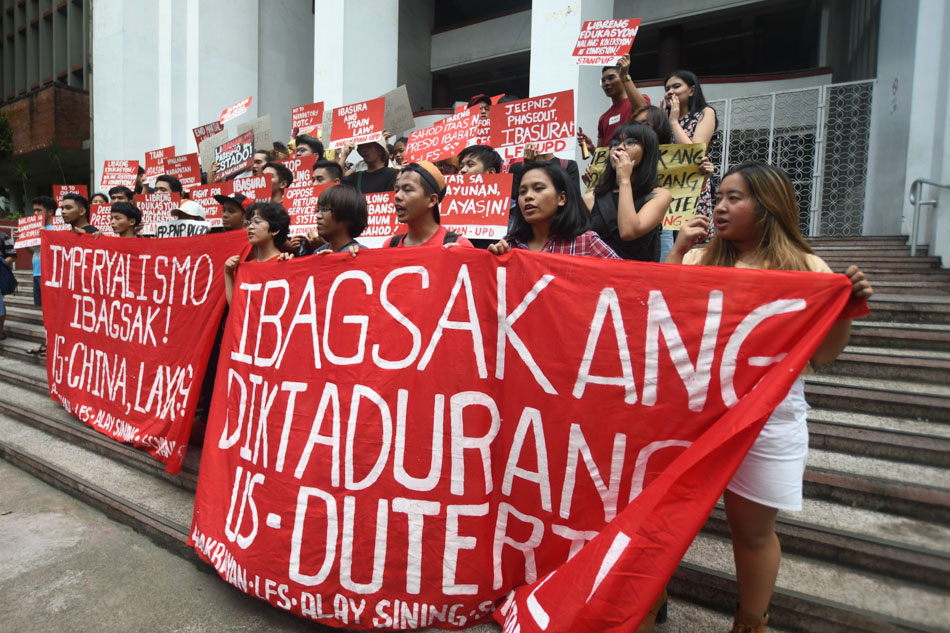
{"x":419,"y":189}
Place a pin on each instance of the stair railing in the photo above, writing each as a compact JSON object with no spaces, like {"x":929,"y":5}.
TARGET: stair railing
{"x":916,"y":191}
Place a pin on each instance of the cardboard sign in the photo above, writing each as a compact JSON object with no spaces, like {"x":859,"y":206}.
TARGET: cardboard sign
{"x":301,"y":205}
{"x":477,"y":205}
{"x":358,"y":122}
{"x":678,"y":171}
{"x":206,"y":131}
{"x":130,"y":330}
{"x":204,"y":195}
{"x":61,"y":190}
{"x":100,"y":216}
{"x":381,"y":222}
{"x":302,"y":169}
{"x":413,"y":433}
{"x":235,"y":156}
{"x":28,"y":230}
{"x":547,"y":121}
{"x":119,"y":173}
{"x":306,"y":119}
{"x":444,"y":139}
{"x":233,"y":112}
{"x":254,"y":187}
{"x":155,"y":208}
{"x":598,"y":164}
{"x":206,"y":149}
{"x":182,"y":228}
{"x":261,"y":128}
{"x":185,"y":168}
{"x":155,"y":162}
{"x":398,"y":117}
{"x":604,"y":42}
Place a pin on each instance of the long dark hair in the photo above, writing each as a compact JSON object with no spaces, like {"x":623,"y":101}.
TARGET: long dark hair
{"x":657,"y":120}
{"x":571,"y":219}
{"x":697,"y":102}
{"x":644,"y":175}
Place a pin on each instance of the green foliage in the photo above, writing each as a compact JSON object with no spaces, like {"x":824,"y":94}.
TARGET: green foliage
{"x":6,"y":136}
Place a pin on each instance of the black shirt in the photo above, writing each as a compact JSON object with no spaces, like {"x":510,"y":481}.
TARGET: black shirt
{"x":379,"y":181}
{"x":603,"y":216}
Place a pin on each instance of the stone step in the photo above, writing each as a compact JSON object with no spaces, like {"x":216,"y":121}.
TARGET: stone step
{"x":874,"y":441}
{"x":857,"y":239}
{"x":882,"y":363}
{"x":879,"y":396}
{"x":910,"y":308}
{"x":19,"y":349}
{"x":25,"y":331}
{"x":941,"y":275}
{"x":861,"y":253}
{"x":19,"y":314}
{"x":895,"y":334}
{"x":940,"y":288}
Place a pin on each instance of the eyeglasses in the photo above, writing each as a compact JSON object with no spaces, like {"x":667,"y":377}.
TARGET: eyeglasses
{"x":324,"y":210}
{"x":627,"y":142}
{"x":257,"y":220}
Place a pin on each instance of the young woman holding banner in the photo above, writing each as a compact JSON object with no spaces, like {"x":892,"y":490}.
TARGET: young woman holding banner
{"x":756,"y":218}
{"x":627,"y":207}
{"x":267,"y":230}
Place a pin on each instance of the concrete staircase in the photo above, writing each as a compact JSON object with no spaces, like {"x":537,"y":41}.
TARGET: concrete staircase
{"x":870,"y":552}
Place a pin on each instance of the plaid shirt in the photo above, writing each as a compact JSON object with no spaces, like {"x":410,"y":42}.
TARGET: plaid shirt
{"x":588,"y":243}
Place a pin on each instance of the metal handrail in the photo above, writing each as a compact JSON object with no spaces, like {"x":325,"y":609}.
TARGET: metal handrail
{"x":916,"y":188}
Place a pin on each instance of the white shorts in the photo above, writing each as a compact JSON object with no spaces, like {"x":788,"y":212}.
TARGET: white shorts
{"x":771,"y":474}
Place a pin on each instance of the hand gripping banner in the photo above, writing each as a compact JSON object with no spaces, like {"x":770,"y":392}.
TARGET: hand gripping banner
{"x":130,"y":324}
{"x":401,"y":439}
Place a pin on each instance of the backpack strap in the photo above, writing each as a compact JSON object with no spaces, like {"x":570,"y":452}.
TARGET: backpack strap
{"x":450,"y":237}
{"x":564,"y":164}
{"x":396,"y":240}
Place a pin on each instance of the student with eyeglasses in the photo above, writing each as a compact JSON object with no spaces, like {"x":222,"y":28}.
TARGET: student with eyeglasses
{"x":267,"y":231}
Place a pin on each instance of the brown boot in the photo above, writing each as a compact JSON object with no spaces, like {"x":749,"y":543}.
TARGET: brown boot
{"x":647,"y":625}
{"x":747,"y":623}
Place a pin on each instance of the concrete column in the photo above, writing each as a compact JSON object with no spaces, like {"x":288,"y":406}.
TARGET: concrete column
{"x":555,"y":25}
{"x":354,"y":50}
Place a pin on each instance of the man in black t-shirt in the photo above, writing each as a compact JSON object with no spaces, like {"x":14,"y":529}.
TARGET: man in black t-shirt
{"x":378,"y":177}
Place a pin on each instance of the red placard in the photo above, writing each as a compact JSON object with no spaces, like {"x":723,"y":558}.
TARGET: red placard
{"x":381,"y":222}
{"x":28,"y":230}
{"x":301,"y":205}
{"x":604,"y":42}
{"x":235,"y":156}
{"x":416,"y":432}
{"x":254,"y":187}
{"x":155,"y":208}
{"x":61,"y":190}
{"x":100,"y":216}
{"x":476,"y":205}
{"x":547,"y":121}
{"x":119,"y":173}
{"x":185,"y":168}
{"x":204,"y":195}
{"x":358,"y":122}
{"x":204,"y":131}
{"x":233,"y":112}
{"x":130,"y":331}
{"x":444,"y":139}
{"x":302,"y":169}
{"x":305,"y":119}
{"x":155,"y":162}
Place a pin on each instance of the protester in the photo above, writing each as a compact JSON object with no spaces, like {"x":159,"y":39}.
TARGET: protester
{"x":189,"y":210}
{"x":756,"y":217}
{"x":267,"y":231}
{"x":126,"y":219}
{"x":168,"y":184}
{"x":326,"y":172}
{"x":307,"y":145}
{"x":616,"y":84}
{"x":281,"y":178}
{"x":657,"y":120}
{"x":419,"y":189}
{"x":550,"y":218}
{"x":7,"y":259}
{"x":99,"y":198}
{"x":140,"y":185}
{"x":280,"y":152}
{"x":627,"y":207}
{"x":341,"y":218}
{"x":479,"y":159}
{"x":532,"y":157}
{"x":121,"y":194}
{"x":76,"y":213}
{"x":378,"y":177}
{"x":397,"y":152}
{"x":45,"y":206}
{"x":261,"y":158}
{"x":233,"y":211}
{"x":484,"y":105}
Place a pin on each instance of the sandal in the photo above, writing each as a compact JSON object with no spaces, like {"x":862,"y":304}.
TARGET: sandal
{"x":39,"y":351}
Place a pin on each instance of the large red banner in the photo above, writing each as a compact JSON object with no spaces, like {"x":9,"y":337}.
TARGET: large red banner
{"x":132,"y":332}
{"x":398,"y":441}
{"x":546,"y":121}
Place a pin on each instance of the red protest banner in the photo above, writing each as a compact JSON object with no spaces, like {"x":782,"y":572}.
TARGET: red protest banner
{"x":28,"y":230}
{"x":234,"y":111}
{"x":155,"y":162}
{"x":100,"y":216}
{"x":61,"y":190}
{"x":476,"y":205}
{"x":359,"y":122}
{"x":305,"y":119}
{"x":204,"y":195}
{"x":546,"y":121}
{"x":444,"y":139}
{"x":132,"y":330}
{"x":254,"y":187}
{"x":381,"y":222}
{"x":155,"y":208}
{"x":185,"y":168}
{"x":205,"y":131}
{"x":415,"y":436}
{"x":235,"y":156}
{"x":119,"y":173}
{"x":604,"y":42}
{"x":301,"y":205}
{"x":302,"y":169}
